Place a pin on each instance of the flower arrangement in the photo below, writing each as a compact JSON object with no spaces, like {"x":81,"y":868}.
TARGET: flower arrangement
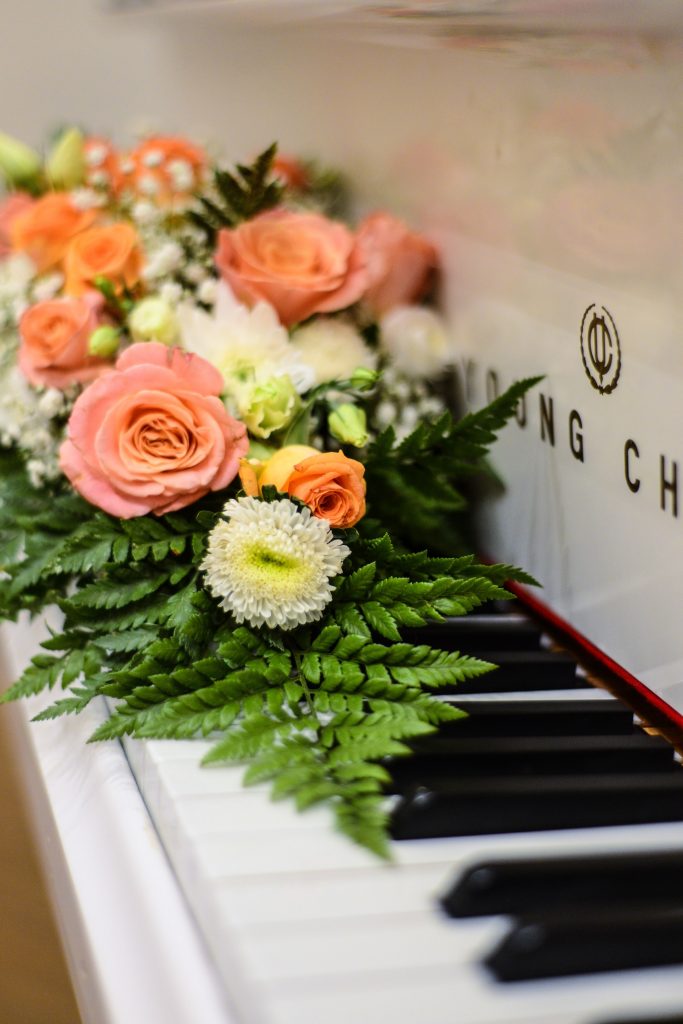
{"x":227,"y":457}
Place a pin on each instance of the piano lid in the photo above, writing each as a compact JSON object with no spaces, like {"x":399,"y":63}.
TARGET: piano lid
{"x":565,"y":244}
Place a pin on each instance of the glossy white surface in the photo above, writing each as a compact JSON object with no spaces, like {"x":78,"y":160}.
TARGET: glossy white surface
{"x":295,"y":924}
{"x":132,"y":946}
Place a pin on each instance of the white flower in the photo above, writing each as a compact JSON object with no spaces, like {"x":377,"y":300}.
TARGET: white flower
{"x":195,"y":273}
{"x":153,"y":319}
{"x":145,"y":213}
{"x":271,"y":563}
{"x":182,"y":175}
{"x":99,"y":179}
{"x":163,"y":260}
{"x":332,"y":349}
{"x":206,"y":292}
{"x":246,"y":345}
{"x":88,"y":198}
{"x":47,"y":287}
{"x":152,"y":158}
{"x":417,"y":341}
{"x":148,"y":185}
{"x":51,"y":403}
{"x":16,"y":274}
{"x":171,"y":292}
{"x":96,"y":155}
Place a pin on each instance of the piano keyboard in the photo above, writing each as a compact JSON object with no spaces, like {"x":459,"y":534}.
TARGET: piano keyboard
{"x":538,"y":853}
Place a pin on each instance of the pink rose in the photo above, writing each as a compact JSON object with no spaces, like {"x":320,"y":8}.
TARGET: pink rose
{"x":152,"y":435}
{"x":54,"y":342}
{"x":301,"y":263}
{"x":10,"y":208}
{"x":400,"y":262}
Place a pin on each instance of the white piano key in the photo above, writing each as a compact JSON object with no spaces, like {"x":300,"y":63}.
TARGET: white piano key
{"x":228,"y":813}
{"x":330,"y":895}
{"x":394,"y":942}
{"x":469,"y":995}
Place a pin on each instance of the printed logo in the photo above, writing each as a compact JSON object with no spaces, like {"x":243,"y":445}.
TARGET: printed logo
{"x":600,"y":349}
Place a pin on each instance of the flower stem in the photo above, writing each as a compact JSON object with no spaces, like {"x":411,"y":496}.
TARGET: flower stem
{"x":302,"y":680}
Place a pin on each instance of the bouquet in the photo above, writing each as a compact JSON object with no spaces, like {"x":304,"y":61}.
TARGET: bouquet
{"x":228,"y":457}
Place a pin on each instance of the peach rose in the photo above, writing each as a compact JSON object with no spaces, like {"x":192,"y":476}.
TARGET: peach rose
{"x":111,"y":251}
{"x":10,"y":208}
{"x":400,"y":262}
{"x":152,"y":435}
{"x":54,"y":342}
{"x":301,"y":263}
{"x":164,"y":168}
{"x":46,"y":228}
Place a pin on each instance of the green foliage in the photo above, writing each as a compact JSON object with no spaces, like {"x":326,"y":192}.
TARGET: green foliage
{"x":239,"y":196}
{"x":415,"y":487}
{"x":316,"y":711}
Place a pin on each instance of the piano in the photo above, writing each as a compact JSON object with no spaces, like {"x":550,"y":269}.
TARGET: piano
{"x":538,"y":845}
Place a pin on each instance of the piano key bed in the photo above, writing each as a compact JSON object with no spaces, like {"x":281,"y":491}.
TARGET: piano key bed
{"x":538,"y":872}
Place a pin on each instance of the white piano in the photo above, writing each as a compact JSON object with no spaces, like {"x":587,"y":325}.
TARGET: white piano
{"x":556,"y":196}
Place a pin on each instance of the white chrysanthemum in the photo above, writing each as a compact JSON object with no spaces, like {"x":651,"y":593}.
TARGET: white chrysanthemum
{"x":416,"y":340}
{"x":244,"y":344}
{"x":332,"y":348}
{"x":271,"y":563}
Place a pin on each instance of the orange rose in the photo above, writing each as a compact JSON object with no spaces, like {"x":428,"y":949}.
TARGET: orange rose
{"x":301,"y":263}
{"x":164,"y":168}
{"x":255,"y":474}
{"x":331,"y":484}
{"x":11,"y":207}
{"x":291,"y":172}
{"x":112,"y":251}
{"x":54,"y":343}
{"x":45,"y":230}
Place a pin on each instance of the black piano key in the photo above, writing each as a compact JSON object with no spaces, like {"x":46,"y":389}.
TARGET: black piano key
{"x":546,"y":885}
{"x":522,"y":671}
{"x":552,"y":947}
{"x":488,"y":806}
{"x":539,"y":718}
{"x":531,"y":755}
{"x":530,"y":670}
{"x":492,"y":632}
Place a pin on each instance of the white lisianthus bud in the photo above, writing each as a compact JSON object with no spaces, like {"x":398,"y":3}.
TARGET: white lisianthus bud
{"x":267,"y":406}
{"x":416,"y":340}
{"x":104,"y":341}
{"x":153,"y":319}
{"x":348,"y":424}
{"x":65,"y":164}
